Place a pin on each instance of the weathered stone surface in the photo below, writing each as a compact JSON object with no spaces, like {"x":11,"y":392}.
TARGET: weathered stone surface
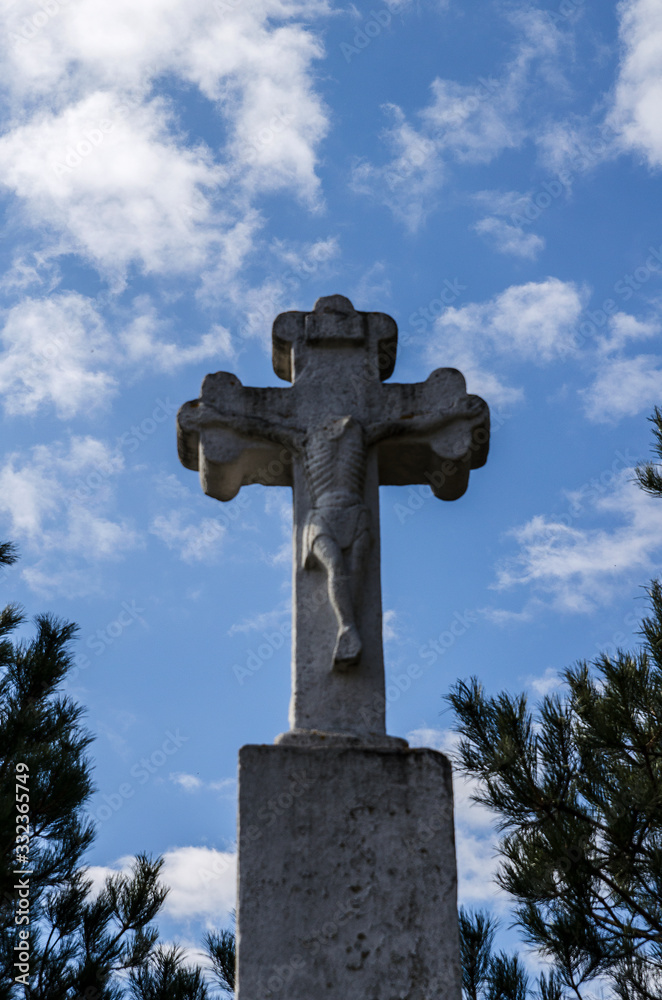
{"x":334,"y":436}
{"x":347,"y":883}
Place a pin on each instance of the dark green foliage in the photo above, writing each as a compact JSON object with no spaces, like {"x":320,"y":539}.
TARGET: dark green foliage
{"x":8,"y":553}
{"x":221,"y":949}
{"x":507,"y":979}
{"x":489,"y":976}
{"x":164,"y":977}
{"x":649,"y":476}
{"x":476,"y":937}
{"x":82,"y":946}
{"x":42,"y":730}
{"x":577,"y":789}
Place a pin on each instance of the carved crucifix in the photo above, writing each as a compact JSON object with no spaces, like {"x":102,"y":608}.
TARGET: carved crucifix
{"x":335,"y":436}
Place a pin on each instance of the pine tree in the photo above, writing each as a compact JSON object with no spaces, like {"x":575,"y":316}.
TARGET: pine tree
{"x":649,"y":476}
{"x":78,"y":946}
{"x":220,"y":946}
{"x":577,"y":790}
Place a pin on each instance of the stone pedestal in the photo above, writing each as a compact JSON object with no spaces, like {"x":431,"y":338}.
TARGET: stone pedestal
{"x":347,"y":877}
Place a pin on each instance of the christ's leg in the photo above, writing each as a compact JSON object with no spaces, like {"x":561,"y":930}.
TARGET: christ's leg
{"x":357,"y":562}
{"x":348,"y":644}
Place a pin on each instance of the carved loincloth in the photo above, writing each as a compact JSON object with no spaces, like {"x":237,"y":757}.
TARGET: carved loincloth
{"x":342,"y":524}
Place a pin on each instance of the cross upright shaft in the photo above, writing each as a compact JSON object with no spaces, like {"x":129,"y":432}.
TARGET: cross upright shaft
{"x":335,"y":436}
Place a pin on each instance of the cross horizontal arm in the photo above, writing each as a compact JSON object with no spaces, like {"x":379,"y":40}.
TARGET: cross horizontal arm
{"x":417,"y":424}
{"x":433,"y":432}
{"x":235,"y":435}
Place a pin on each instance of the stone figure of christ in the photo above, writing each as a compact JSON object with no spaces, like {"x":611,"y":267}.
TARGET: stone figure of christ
{"x":338,"y":531}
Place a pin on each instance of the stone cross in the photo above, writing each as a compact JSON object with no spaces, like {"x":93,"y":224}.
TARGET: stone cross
{"x":335,"y":436}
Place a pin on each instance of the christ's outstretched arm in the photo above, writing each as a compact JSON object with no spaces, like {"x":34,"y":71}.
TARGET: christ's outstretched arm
{"x":253,"y":426}
{"x":471,"y":409}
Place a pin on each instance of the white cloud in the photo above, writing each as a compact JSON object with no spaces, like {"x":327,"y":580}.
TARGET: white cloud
{"x":372,"y":287}
{"x":466,"y":123}
{"x":623,"y":387}
{"x":279,"y":618}
{"x":56,"y":350}
{"x":143,"y":348}
{"x":289,"y":266}
{"x":476,"y":836}
{"x":638,"y":92}
{"x":55,"y":501}
{"x":410,"y":182}
{"x":199,"y":541}
{"x":191,"y":783}
{"x":474,"y":122}
{"x":116,"y":183}
{"x":502,"y":202}
{"x":503,"y":617}
{"x":307,"y":260}
{"x":389,"y":625}
{"x":168,"y":485}
{"x":503,"y":227}
{"x":510,"y":239}
{"x":29,"y":270}
{"x":533,"y":322}
{"x":202,"y":882}
{"x":60,"y":352}
{"x":623,"y":328}
{"x":574,"y":146}
{"x":104,"y":165}
{"x":578,"y":568}
{"x":545,"y":683}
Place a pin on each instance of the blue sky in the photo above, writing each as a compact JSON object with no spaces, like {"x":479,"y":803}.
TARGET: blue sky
{"x":174,"y":175}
